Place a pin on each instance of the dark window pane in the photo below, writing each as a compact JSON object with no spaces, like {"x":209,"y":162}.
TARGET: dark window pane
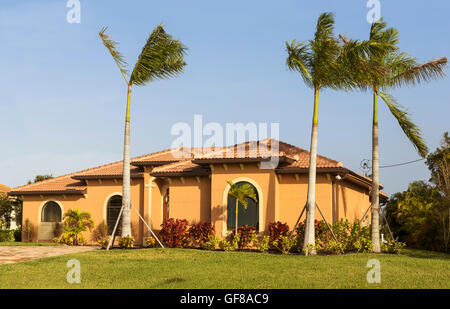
{"x":249,"y":216}
{"x":51,"y":212}
{"x":113,"y":210}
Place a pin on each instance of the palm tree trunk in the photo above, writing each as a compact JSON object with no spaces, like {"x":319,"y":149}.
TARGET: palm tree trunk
{"x":311,"y":201}
{"x":126,"y":226}
{"x":236,"y":224}
{"x":375,"y":179}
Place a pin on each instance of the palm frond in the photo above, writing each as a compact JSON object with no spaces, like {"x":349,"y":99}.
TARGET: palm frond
{"x":406,"y":71}
{"x":161,"y":57}
{"x":299,"y":59}
{"x":411,"y":130}
{"x":112,"y":48}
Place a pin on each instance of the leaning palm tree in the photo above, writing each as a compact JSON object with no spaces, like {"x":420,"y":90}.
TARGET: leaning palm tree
{"x":390,"y":68}
{"x":241,"y":193}
{"x":322,"y":63}
{"x":162,"y":57}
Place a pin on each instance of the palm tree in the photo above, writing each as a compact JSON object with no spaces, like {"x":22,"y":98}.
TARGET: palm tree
{"x":322,"y":63}
{"x":390,"y":68}
{"x":162,"y":57}
{"x":241,"y":193}
{"x":76,"y":222}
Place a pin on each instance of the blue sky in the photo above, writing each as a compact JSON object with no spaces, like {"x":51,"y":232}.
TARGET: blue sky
{"x":62,"y":106}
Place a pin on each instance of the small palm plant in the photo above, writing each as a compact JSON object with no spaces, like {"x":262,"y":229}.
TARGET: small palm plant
{"x":389,"y":68}
{"x":241,"y":193}
{"x":162,"y":57}
{"x":76,"y":222}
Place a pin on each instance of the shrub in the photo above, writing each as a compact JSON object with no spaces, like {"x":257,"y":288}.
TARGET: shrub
{"x":173,"y":232}
{"x":276,"y":231}
{"x":28,"y":229}
{"x":150,"y":241}
{"x":263,"y":244}
{"x":76,"y":222}
{"x":7,"y":235}
{"x":103,"y":243}
{"x":126,"y":242}
{"x":100,"y":232}
{"x":392,"y":247}
{"x":18,"y":234}
{"x":226,"y":245}
{"x":211,"y":243}
{"x":200,"y":232}
{"x":245,"y":234}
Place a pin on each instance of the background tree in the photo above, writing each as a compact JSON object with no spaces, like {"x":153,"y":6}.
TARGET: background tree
{"x":162,"y":57}
{"x":241,"y":193}
{"x":384,"y":69}
{"x":420,"y":216}
{"x":40,"y":178}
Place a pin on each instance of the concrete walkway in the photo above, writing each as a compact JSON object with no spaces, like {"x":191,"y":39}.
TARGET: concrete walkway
{"x":14,"y":254}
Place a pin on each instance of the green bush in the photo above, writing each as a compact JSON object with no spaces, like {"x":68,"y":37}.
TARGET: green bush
{"x":7,"y":235}
{"x":150,"y":241}
{"x":392,"y":247}
{"x":211,"y":243}
{"x":126,"y":242}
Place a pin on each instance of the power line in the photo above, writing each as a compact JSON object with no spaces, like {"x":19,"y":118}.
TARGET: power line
{"x":404,"y":163}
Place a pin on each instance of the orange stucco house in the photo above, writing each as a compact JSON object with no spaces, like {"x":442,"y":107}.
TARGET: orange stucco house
{"x":194,"y":187}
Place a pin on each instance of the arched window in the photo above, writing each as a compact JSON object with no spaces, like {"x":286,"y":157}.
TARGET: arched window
{"x":112,"y":213}
{"x":51,"y":212}
{"x":249,"y":216}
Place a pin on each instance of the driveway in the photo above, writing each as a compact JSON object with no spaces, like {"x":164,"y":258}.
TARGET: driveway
{"x":14,"y":254}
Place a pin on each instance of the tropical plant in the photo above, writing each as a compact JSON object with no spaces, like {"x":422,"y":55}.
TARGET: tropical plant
{"x":40,"y":178}
{"x":322,"y":63}
{"x":126,"y":242}
{"x":174,"y":232}
{"x":382,"y":69}
{"x":162,"y":57}
{"x":241,"y":193}
{"x":76,"y":222}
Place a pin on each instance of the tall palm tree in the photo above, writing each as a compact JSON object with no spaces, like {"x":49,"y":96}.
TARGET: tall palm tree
{"x":162,"y":57}
{"x":322,"y":63}
{"x":241,"y":193}
{"x":389,"y":68}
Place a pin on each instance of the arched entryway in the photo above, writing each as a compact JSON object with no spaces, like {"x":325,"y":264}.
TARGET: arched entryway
{"x":249,"y":216}
{"x":51,"y":215}
{"x":112,"y":213}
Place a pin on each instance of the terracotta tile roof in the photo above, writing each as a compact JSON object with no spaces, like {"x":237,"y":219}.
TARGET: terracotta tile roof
{"x":171,"y":162}
{"x":113,"y":170}
{"x":163,"y":157}
{"x":64,"y":184}
{"x":178,"y":168}
{"x":298,"y":157}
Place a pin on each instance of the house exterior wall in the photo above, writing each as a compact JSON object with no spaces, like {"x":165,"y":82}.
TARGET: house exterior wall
{"x":204,"y":198}
{"x":95,"y":203}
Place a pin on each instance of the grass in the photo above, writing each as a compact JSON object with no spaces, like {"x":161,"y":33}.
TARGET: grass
{"x":190,"y":268}
{"x":18,"y":243}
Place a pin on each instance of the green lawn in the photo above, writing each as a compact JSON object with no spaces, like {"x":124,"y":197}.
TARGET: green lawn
{"x":188,"y":268}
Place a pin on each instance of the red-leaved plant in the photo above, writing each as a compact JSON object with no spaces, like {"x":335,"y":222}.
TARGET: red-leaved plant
{"x":276,"y":232}
{"x":245,"y":233}
{"x":200,"y":232}
{"x":173,"y":232}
